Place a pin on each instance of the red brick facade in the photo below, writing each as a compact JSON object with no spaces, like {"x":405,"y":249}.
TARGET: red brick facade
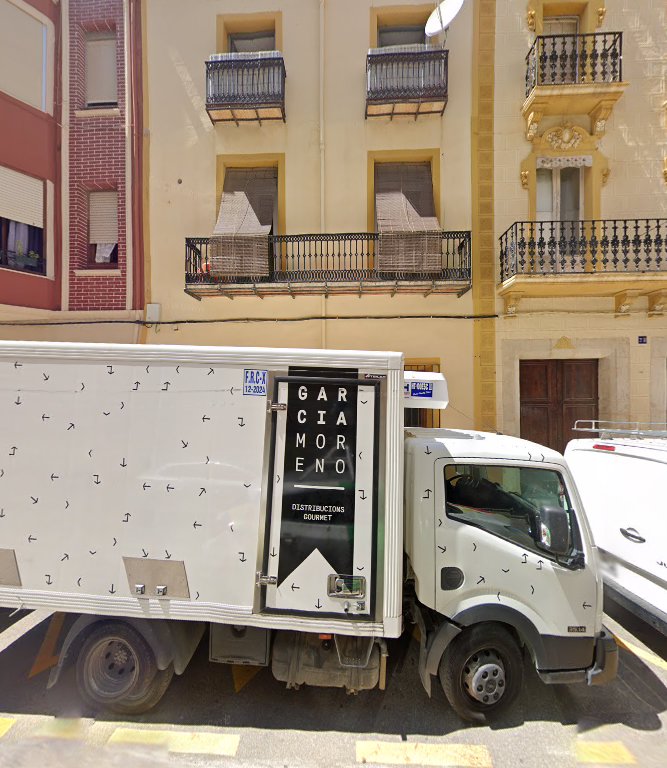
{"x":97,"y":158}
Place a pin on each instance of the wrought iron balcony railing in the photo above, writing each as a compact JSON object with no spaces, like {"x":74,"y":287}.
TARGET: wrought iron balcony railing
{"x":408,"y":75}
{"x":566,"y":59}
{"x":246,"y":86}
{"x":592,"y":247}
{"x":334,"y":258}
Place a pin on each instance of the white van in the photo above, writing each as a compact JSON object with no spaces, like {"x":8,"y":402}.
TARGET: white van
{"x":622,"y":480}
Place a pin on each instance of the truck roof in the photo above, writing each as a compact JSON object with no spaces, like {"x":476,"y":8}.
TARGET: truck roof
{"x":641,"y":448}
{"x":470,"y":444}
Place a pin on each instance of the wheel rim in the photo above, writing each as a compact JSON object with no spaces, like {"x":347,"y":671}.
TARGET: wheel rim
{"x":484,"y":677}
{"x":111,"y":668}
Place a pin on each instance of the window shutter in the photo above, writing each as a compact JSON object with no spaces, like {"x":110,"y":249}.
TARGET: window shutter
{"x":404,"y":197}
{"x":409,"y":237}
{"x":21,"y":198}
{"x":103,"y":217}
{"x":240,"y":242}
{"x":101,"y":86}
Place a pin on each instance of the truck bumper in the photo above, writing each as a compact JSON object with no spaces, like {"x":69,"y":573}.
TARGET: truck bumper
{"x":603,"y":669}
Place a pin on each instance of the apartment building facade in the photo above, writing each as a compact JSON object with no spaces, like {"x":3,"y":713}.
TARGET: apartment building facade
{"x":70,"y":170}
{"x":311,"y":181}
{"x":580,"y":214}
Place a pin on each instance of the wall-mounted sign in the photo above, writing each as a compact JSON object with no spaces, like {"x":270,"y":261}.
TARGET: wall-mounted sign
{"x":642,"y":339}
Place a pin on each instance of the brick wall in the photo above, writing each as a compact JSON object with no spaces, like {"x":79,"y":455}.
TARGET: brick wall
{"x":97,"y":158}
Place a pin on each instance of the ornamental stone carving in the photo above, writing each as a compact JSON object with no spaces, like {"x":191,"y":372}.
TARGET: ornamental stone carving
{"x":564,"y":138}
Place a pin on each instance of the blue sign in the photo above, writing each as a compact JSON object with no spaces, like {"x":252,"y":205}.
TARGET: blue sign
{"x":421,"y":389}
{"x":254,"y":382}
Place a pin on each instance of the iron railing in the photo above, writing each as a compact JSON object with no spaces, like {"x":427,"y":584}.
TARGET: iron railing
{"x":584,"y":247}
{"x":565,"y":59}
{"x":249,"y":81}
{"x":332,"y":258}
{"x":406,"y":76}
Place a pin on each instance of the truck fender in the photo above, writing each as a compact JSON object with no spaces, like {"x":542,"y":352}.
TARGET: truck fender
{"x":502,"y":614}
{"x":172,"y":642}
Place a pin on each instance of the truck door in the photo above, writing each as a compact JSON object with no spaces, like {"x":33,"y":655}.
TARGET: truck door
{"x":320,"y":552}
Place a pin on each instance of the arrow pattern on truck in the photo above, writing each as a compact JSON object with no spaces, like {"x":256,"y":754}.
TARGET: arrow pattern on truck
{"x":117,"y":424}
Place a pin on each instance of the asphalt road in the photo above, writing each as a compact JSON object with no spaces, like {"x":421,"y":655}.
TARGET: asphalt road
{"x":217,"y":714}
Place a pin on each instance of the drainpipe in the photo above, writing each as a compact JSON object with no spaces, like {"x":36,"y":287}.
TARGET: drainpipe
{"x":322,"y":148}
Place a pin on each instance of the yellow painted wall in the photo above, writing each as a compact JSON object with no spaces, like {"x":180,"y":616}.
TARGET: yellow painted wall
{"x":633,"y":379}
{"x":184,"y":145}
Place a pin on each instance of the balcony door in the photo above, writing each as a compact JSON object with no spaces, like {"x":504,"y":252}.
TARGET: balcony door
{"x":561,"y":48}
{"x":553,"y":395}
{"x":559,"y":211}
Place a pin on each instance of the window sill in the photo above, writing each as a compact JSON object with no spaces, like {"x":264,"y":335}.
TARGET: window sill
{"x":95,"y":272}
{"x":97,"y":112}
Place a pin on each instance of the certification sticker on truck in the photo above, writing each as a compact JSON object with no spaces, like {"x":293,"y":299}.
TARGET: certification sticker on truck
{"x":254,"y":382}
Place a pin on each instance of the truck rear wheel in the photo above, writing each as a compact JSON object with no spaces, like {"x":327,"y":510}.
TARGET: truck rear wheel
{"x":481,"y":672}
{"x":116,"y":670}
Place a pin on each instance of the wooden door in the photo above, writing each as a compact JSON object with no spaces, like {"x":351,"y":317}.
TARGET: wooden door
{"x":553,"y":395}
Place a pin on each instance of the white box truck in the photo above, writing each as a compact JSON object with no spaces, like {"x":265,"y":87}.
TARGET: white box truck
{"x":273,"y":497}
{"x":621,"y":474}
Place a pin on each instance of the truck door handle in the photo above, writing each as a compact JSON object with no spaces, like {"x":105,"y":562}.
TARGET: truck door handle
{"x":632,"y":535}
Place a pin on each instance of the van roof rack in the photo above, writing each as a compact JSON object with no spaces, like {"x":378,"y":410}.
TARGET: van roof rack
{"x":621,"y":428}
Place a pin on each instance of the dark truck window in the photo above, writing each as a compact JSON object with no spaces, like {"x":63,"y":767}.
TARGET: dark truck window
{"x":505,"y":500}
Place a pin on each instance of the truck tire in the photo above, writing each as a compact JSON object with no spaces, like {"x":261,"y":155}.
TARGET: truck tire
{"x":481,"y":672}
{"x":116,"y":670}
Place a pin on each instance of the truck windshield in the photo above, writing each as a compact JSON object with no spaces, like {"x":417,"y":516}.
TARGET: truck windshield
{"x":505,"y":500}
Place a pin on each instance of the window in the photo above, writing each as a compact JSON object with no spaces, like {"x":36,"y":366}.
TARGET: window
{"x":102,"y":228}
{"x":239,"y":246}
{"x":559,"y":194}
{"x":252,"y":42}
{"x":409,"y":235}
{"x":101,"y":79}
{"x":506,"y":501}
{"x":21,"y":222}
{"x":401,"y":36}
{"x":24,"y":53}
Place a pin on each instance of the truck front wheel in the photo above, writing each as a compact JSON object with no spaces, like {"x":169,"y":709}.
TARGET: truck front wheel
{"x":481,"y":672}
{"x":116,"y":670}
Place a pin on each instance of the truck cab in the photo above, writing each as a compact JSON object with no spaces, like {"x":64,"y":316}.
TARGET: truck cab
{"x":502,"y":561}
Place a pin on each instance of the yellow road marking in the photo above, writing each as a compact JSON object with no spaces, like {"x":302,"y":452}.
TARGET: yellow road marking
{"x":179,"y":741}
{"x":5,"y":724}
{"x":604,"y":752}
{"x":46,"y":658}
{"x":62,"y":728}
{"x":243,"y":674}
{"x":415,"y":753}
{"x":648,"y":656}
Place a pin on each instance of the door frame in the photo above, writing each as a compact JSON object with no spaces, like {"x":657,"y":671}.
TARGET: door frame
{"x":613,"y":372}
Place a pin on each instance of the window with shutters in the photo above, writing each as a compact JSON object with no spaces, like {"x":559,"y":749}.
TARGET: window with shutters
{"x":409,"y":233}
{"x":101,"y":76}
{"x":21,"y":222}
{"x":240,"y":246}
{"x":102,"y":228}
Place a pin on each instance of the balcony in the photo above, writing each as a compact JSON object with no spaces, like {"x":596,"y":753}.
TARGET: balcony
{"x":605,"y":257}
{"x":406,"y":80}
{"x":574,"y":75}
{"x":330,"y":264}
{"x":242,"y":87}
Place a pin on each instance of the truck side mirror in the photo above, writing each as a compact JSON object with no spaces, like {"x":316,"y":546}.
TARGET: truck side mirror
{"x":552,"y":533}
